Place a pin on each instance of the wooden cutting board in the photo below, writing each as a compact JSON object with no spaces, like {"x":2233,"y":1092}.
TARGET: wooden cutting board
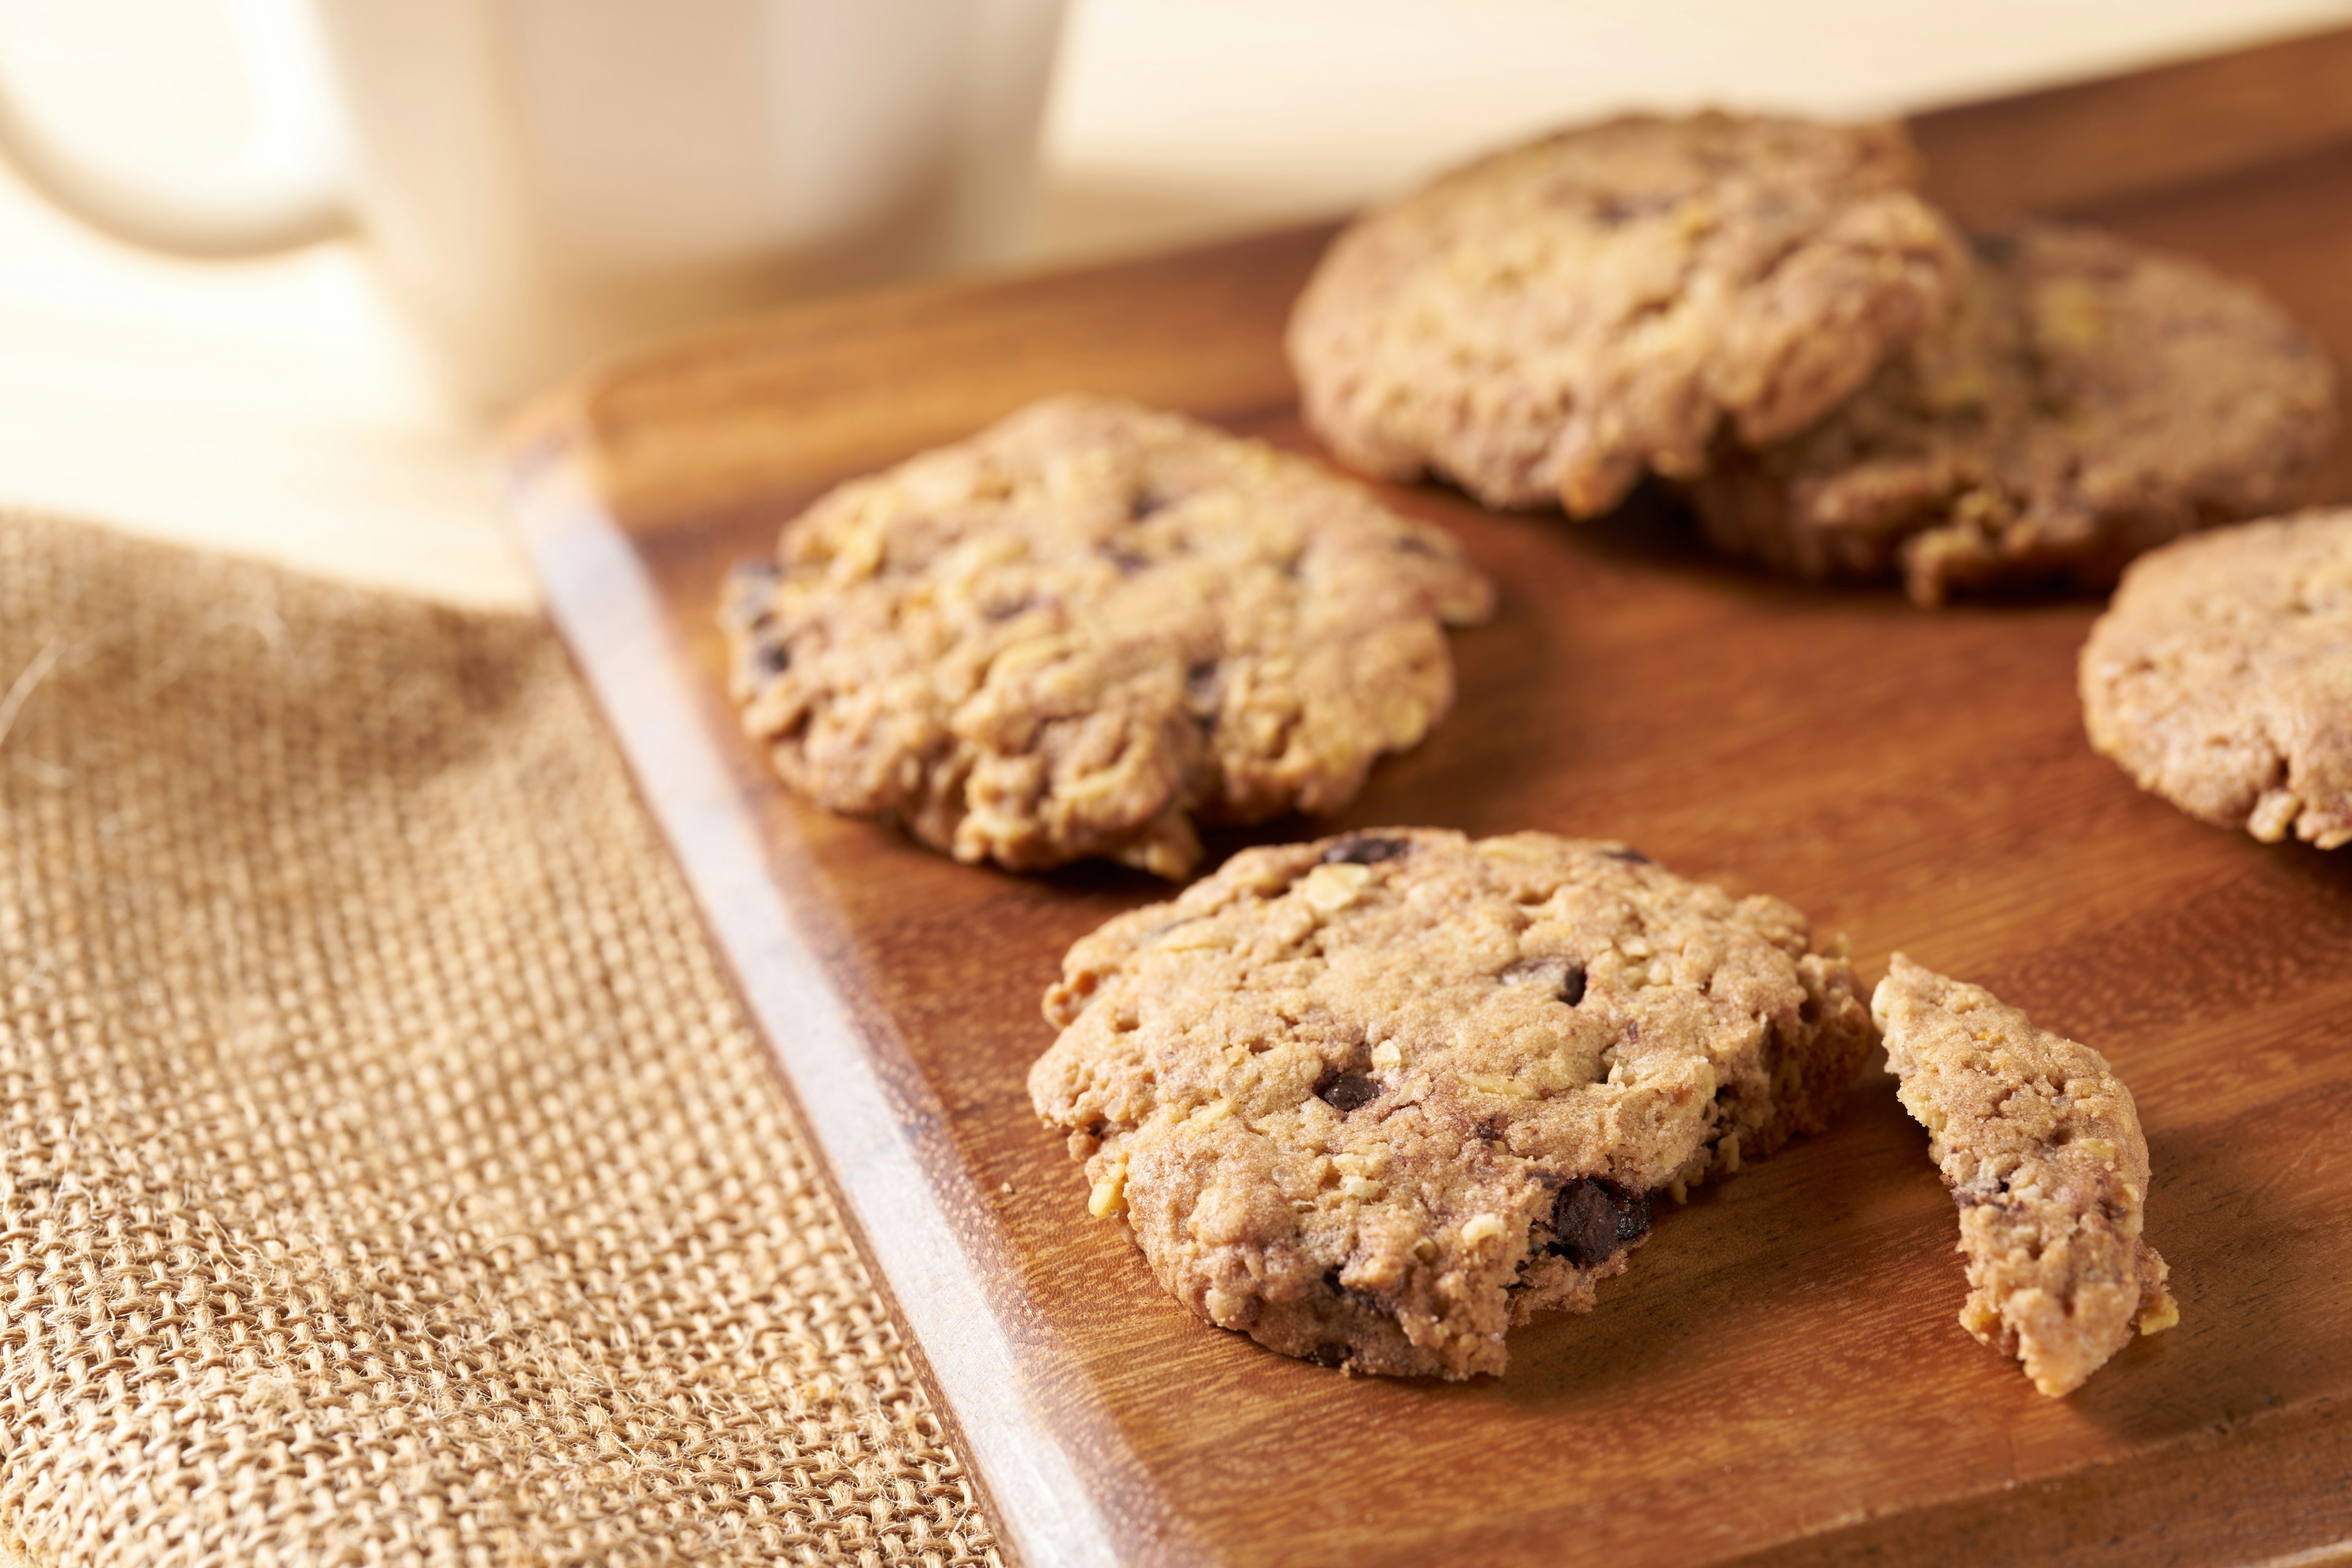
{"x":1780,"y":1377}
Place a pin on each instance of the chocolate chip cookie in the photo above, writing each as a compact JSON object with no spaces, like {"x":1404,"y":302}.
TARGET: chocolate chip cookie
{"x":1374,"y":1098}
{"x":1550,"y":323}
{"x":2087,"y":400}
{"x":2222,"y":677}
{"x":2042,"y":1147}
{"x":1084,"y":629}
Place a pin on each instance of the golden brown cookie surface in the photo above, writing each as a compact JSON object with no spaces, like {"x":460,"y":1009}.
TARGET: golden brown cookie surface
{"x":2088,"y":400}
{"x":2042,"y":1147}
{"x":1088,"y":626}
{"x":1548,"y":323}
{"x":1374,"y":1098}
{"x":2222,"y":677}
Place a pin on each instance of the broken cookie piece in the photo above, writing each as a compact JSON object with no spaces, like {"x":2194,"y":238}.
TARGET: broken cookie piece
{"x":1375,"y":1098}
{"x":2042,"y":1147}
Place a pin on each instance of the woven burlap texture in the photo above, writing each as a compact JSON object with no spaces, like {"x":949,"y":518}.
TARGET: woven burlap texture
{"x":389,"y":1173}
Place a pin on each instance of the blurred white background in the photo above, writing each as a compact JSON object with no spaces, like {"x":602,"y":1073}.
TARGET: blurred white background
{"x":279,"y":406}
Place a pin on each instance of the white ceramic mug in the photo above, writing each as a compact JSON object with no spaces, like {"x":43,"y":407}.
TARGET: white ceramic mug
{"x":543,"y":179}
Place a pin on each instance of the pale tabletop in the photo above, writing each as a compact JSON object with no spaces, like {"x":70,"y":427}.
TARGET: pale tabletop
{"x":279,"y":407}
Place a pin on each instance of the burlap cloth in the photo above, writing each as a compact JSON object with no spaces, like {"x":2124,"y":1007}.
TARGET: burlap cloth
{"x":389,"y":1173}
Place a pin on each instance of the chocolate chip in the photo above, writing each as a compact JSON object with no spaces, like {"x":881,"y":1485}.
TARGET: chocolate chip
{"x":764,"y":660}
{"x":1411,"y":544}
{"x":1592,"y":1219}
{"x":1330,"y":1352}
{"x":1364,"y":849}
{"x":1347,"y":1091}
{"x":1628,"y":854}
{"x":1614,"y":211}
{"x":1565,"y":979}
{"x":751,"y":594}
{"x":1202,"y":689}
{"x":1993,"y":248}
{"x":1487,"y":1133}
{"x":1145,"y":502}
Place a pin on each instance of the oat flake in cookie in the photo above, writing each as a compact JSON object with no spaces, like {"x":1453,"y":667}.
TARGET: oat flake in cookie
{"x":2222,"y":677}
{"x":2088,"y":400}
{"x":2042,"y":1147}
{"x":1551,"y":322}
{"x":1373,"y":1100}
{"x":1084,"y":629}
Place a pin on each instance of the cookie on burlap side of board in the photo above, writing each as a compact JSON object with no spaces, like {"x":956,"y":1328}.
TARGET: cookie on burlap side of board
{"x":1372,"y":1100}
{"x":1089,"y":626}
{"x":2087,"y":400}
{"x":2042,"y":1147}
{"x":2220,"y":677}
{"x":1548,"y":324}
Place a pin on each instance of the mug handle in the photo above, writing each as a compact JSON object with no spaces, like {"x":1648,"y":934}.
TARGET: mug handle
{"x":287,"y":186}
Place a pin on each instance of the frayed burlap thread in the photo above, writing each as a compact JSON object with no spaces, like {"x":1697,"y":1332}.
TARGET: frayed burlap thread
{"x":390,"y":1175}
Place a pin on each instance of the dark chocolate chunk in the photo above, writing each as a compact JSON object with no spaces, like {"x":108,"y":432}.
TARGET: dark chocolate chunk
{"x":1347,"y":1091}
{"x":1204,"y":689}
{"x":1330,"y":1352}
{"x":1591,"y":1220}
{"x":1565,"y":979}
{"x":1629,"y":855}
{"x":751,"y":592}
{"x":1364,"y":849}
{"x":764,"y":660}
{"x":1201,"y":685}
{"x":1996,"y":249}
{"x":1612,"y":211}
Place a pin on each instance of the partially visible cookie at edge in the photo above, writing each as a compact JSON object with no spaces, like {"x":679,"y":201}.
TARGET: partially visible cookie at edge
{"x":2087,"y":400}
{"x":2042,"y":1147}
{"x":1089,"y":627}
{"x":1548,"y":323}
{"x":2221,"y":677}
{"x":1373,"y":1100}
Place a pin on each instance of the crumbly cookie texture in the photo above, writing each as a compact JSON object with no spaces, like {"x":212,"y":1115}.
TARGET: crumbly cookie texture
{"x":2040,"y":1143}
{"x":1088,"y":626}
{"x":1374,"y":1098}
{"x":1548,"y":323}
{"x":2086,"y":401}
{"x":2221,"y":677}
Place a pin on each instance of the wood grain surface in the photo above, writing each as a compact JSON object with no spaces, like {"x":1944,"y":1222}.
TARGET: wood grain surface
{"x":1779,"y":1375}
